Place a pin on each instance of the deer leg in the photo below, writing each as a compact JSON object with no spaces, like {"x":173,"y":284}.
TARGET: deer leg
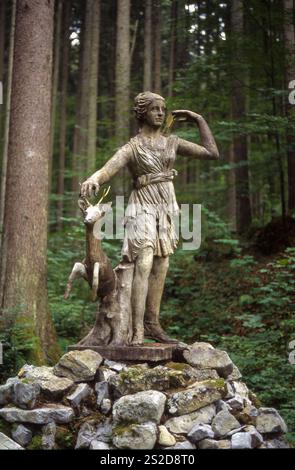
{"x":95,"y":281}
{"x":78,"y":270}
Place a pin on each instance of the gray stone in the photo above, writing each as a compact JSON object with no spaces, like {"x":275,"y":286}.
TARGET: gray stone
{"x":183,"y":424}
{"x":256,"y":437}
{"x":221,"y":406}
{"x":52,"y":386}
{"x":241,"y":440}
{"x":236,"y":403}
{"x":8,"y":444}
{"x":269,"y":421}
{"x":230,"y":393}
{"x":200,"y":431}
{"x":104,"y":374}
{"x":35,"y":374}
{"x":135,"y":436}
{"x":56,"y":387}
{"x":234,"y":431}
{"x":165,"y":439}
{"x":25,"y":395}
{"x":241,"y":389}
{"x":106,"y":406}
{"x":116,"y":366}
{"x":99,"y":445}
{"x":79,"y":366}
{"x":140,"y":407}
{"x":104,"y":432}
{"x":22,"y":435}
{"x":82,"y":392}
{"x":213,"y":444}
{"x":275,"y":444}
{"x":102,"y":391}
{"x":204,"y":356}
{"x":6,"y":393}
{"x":223,"y":423}
{"x":235,"y":375}
{"x":136,"y":379}
{"x":86,"y":434}
{"x":184,"y":445}
{"x":58,"y":413}
{"x":196,"y":397}
{"x":248,"y":415}
{"x":48,"y":436}
{"x":191,"y":373}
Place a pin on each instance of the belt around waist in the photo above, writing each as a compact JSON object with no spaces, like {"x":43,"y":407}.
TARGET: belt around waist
{"x":152,"y":178}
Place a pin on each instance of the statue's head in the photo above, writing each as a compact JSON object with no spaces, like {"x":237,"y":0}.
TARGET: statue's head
{"x":142,"y":103}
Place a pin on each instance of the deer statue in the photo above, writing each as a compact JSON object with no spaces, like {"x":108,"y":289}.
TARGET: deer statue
{"x":111,"y":287}
{"x":96,"y":268}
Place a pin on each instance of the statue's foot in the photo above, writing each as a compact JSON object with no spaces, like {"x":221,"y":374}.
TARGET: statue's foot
{"x":138,"y":337}
{"x":153,"y":330}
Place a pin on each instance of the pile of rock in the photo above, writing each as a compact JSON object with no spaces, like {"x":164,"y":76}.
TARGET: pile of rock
{"x":85,"y":402}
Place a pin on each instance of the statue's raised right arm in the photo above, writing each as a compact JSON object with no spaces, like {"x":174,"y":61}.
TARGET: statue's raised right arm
{"x":208,"y":150}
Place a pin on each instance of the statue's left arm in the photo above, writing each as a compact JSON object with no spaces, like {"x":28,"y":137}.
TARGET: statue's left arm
{"x":208,"y":150}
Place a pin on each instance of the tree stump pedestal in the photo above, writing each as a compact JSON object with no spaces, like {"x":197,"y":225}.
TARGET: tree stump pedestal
{"x":151,"y":352}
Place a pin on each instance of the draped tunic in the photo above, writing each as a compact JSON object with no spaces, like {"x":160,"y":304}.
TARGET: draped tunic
{"x":152,"y":204}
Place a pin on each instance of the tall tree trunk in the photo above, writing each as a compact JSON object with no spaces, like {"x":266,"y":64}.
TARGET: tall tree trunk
{"x":6,"y":129}
{"x":122,"y":105}
{"x":82,"y":144}
{"x":238,"y":112}
{"x":274,"y":111}
{"x":93,"y":91}
{"x":157,"y":47}
{"x":231,"y":190}
{"x":63,"y":110}
{"x":76,"y":165}
{"x":172,"y":53}
{"x":147,"y":68}
{"x":55,"y":80}
{"x":2,"y":47}
{"x":289,"y":33}
{"x":25,"y":302}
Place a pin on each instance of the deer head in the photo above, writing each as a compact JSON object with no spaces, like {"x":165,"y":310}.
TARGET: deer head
{"x":92,"y":213}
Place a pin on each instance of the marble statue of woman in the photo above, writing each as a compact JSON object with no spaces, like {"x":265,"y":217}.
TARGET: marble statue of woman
{"x":150,"y":236}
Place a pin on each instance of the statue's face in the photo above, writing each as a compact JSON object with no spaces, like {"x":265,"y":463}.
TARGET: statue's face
{"x":155,"y":114}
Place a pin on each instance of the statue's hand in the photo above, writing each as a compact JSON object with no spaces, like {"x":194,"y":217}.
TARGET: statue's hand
{"x":89,"y":188}
{"x":185,"y":115}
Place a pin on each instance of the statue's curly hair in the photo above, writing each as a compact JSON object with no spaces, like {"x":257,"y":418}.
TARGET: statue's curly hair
{"x":141,"y":102}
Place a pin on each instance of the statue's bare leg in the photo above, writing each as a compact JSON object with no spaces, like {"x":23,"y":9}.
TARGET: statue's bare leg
{"x":143,"y":266}
{"x":157,"y":278}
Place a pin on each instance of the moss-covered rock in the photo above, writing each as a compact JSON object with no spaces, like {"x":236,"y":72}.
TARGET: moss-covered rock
{"x":137,"y":379}
{"x":196,"y":397}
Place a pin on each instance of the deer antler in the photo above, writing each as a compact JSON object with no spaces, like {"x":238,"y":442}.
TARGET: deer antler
{"x":104,"y":194}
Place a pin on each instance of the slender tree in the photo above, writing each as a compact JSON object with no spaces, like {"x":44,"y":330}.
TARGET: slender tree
{"x":63,"y":109}
{"x":122,"y":93}
{"x":238,"y":112}
{"x":24,"y":300}
{"x":6,"y":124}
{"x":172,"y":52}
{"x":147,"y":69}
{"x":93,"y":86}
{"x":157,"y":47}
{"x":55,"y":80}
{"x":289,"y":33}
{"x":2,"y":47}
